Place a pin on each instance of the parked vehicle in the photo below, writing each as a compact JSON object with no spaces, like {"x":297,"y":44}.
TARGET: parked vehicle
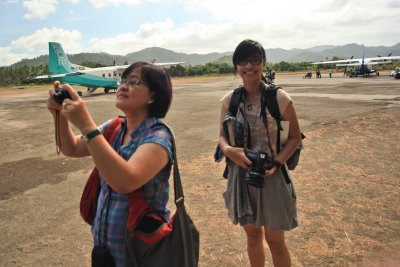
{"x":397,"y":73}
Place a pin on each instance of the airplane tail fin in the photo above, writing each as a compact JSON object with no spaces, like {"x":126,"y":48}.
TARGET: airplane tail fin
{"x":58,"y":60}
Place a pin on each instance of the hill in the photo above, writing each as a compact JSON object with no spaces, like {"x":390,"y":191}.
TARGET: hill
{"x":274,"y":55}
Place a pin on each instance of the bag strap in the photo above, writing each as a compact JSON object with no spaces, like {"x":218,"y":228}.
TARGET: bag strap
{"x":236,"y":98}
{"x":178,"y":190}
{"x":271,"y":102}
{"x":185,"y":230}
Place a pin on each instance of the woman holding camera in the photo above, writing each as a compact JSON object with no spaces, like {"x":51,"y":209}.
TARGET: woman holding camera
{"x":268,"y":209}
{"x":139,"y":158}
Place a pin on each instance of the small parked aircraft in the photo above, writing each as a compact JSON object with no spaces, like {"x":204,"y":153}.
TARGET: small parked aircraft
{"x":362,"y":65}
{"x":105,"y":77}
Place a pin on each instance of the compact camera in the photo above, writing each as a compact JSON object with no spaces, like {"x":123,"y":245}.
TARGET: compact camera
{"x":261,"y":162}
{"x":60,"y":95}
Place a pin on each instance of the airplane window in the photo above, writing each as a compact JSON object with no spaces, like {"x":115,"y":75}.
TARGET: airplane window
{"x":109,"y":75}
{"x":104,"y":75}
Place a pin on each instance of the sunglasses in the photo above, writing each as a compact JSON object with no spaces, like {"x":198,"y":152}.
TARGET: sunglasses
{"x":132,"y":82}
{"x":251,"y":60}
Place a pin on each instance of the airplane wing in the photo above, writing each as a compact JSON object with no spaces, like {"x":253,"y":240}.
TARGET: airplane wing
{"x":51,"y":76}
{"x":382,"y":60}
{"x":169,"y":64}
{"x":357,"y":61}
{"x":341,"y":61}
{"x":121,"y":68}
{"x":347,"y":65}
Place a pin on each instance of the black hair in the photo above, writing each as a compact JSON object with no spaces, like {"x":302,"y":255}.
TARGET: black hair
{"x":247,"y":48}
{"x":159,"y":83}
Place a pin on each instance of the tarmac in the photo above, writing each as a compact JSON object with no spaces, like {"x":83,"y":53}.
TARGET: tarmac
{"x":347,"y":181}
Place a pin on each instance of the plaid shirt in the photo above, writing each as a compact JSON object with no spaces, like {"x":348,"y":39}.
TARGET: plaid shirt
{"x":112,"y":211}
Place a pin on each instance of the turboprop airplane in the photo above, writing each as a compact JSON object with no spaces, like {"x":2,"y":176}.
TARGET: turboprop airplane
{"x":362,"y":65}
{"x":105,"y":77}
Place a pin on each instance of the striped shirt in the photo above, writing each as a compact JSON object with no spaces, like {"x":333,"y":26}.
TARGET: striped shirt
{"x":109,"y":225}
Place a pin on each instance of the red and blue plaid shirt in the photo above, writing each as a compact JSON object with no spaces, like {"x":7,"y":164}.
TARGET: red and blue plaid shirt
{"x":109,"y":226}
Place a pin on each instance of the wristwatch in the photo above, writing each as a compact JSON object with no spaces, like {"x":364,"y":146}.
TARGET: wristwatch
{"x":277,"y":164}
{"x":89,"y":135}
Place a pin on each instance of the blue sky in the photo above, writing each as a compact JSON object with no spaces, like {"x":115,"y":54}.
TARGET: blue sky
{"x":190,"y":26}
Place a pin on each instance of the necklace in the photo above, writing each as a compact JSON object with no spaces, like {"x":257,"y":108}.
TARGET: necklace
{"x":250,"y":103}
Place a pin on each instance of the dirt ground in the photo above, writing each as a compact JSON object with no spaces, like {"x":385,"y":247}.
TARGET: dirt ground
{"x":347,"y":182}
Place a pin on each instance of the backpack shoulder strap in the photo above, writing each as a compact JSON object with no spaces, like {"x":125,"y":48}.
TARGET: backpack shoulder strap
{"x":270,"y":101}
{"x":113,"y":129}
{"x":235,"y":100}
{"x":90,"y":194}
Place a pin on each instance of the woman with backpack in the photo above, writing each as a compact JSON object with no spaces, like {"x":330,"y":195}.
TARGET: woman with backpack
{"x":260,"y":195}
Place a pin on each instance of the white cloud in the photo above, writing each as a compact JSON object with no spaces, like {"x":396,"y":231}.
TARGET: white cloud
{"x":104,"y":3}
{"x":37,"y":44}
{"x":39,"y":9}
{"x":73,"y":1}
{"x":285,"y":24}
{"x":38,"y":41}
{"x":299,"y":24}
{"x":7,"y":57}
{"x":394,"y":4}
{"x":187,"y":38}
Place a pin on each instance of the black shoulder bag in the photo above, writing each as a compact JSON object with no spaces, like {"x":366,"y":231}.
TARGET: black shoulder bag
{"x":151,"y":241}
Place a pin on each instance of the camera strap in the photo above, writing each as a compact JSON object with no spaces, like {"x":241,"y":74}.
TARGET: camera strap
{"x":268,"y":136}
{"x":57,"y":133}
{"x":246,"y":130}
{"x":262,"y":115}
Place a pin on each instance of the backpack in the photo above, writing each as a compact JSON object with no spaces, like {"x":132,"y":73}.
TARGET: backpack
{"x":90,"y":194}
{"x":269,"y":101}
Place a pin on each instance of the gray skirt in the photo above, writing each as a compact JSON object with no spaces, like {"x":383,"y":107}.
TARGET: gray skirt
{"x":273,"y":206}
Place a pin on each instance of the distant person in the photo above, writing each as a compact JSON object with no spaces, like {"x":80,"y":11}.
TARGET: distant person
{"x":318,"y":72}
{"x":140,"y":158}
{"x":330,"y":71}
{"x":268,"y":211}
{"x":270,"y":76}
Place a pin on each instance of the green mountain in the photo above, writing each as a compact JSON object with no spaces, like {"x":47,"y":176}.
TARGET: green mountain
{"x":274,"y":55}
{"x":149,"y":54}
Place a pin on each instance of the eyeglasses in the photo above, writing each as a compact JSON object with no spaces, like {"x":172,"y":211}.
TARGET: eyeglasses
{"x":251,"y":60}
{"x":132,"y":82}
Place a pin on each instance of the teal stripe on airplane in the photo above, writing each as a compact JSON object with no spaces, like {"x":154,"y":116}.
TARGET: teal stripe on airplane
{"x":90,"y":80}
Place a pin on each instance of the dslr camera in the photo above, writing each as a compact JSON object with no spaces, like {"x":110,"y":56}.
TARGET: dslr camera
{"x":261,"y":162}
{"x":60,"y":95}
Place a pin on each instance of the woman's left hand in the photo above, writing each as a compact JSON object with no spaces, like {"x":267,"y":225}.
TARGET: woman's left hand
{"x":271,"y":171}
{"x":75,"y":110}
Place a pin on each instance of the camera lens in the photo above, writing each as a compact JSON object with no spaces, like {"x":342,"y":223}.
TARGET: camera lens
{"x":255,"y":178}
{"x":60,"y":95}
